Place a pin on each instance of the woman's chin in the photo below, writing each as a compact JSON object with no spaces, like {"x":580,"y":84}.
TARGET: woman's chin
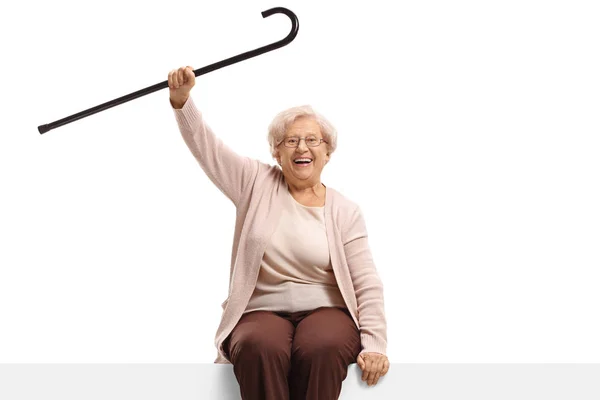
{"x":300,"y":175}
{"x":303,"y":172}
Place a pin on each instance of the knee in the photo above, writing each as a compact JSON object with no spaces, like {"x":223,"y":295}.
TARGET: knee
{"x":256,"y":346}
{"x":326,"y":348}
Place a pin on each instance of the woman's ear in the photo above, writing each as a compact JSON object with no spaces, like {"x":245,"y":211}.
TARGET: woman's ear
{"x":277,"y":157}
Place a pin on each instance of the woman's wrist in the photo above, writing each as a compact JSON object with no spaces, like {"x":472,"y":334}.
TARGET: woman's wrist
{"x":178,"y":103}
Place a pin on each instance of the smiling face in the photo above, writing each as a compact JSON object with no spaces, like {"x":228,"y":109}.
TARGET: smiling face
{"x":303,"y":175}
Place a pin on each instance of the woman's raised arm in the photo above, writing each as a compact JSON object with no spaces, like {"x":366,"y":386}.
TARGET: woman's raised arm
{"x":229,"y":171}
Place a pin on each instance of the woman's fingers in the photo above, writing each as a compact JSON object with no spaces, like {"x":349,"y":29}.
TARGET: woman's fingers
{"x":379,"y":370}
{"x":386,"y":367}
{"x":173,"y":79}
{"x":376,"y":378}
{"x":180,"y":76}
{"x":189,"y":73}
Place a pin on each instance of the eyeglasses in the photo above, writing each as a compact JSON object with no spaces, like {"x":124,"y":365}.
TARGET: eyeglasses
{"x":293,"y":142}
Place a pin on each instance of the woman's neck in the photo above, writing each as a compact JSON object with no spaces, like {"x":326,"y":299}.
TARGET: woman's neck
{"x":317,"y":191}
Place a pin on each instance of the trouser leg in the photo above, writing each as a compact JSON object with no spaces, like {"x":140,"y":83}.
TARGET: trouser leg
{"x":325,"y":343}
{"x":259,"y":348}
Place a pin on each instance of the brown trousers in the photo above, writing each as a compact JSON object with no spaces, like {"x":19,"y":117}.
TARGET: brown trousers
{"x":297,"y":356}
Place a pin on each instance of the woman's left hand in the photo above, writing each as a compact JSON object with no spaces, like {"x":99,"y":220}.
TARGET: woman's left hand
{"x":373,"y":365}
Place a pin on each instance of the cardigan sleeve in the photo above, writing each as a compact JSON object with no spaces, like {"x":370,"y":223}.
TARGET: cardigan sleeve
{"x":367,"y":285}
{"x":229,"y":171}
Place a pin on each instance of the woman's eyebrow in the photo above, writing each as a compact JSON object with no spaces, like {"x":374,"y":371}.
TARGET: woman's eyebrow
{"x":297,"y":134}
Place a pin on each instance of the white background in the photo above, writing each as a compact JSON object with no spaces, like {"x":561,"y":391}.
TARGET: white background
{"x":468,"y":134}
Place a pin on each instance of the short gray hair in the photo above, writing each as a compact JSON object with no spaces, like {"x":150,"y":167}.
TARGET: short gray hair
{"x":285,"y":118}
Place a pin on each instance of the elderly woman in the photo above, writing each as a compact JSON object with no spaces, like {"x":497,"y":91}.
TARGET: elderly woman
{"x":305,"y":299}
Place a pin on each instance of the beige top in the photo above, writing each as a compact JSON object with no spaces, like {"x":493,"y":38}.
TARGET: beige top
{"x":296,"y":272}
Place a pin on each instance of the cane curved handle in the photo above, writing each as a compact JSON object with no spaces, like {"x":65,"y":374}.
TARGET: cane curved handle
{"x":200,"y":71}
{"x":260,"y":50}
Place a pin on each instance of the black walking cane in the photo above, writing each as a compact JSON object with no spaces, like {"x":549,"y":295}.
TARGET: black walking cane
{"x":201,"y":71}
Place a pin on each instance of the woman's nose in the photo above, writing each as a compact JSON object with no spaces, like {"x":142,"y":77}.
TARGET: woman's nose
{"x":302,"y":144}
